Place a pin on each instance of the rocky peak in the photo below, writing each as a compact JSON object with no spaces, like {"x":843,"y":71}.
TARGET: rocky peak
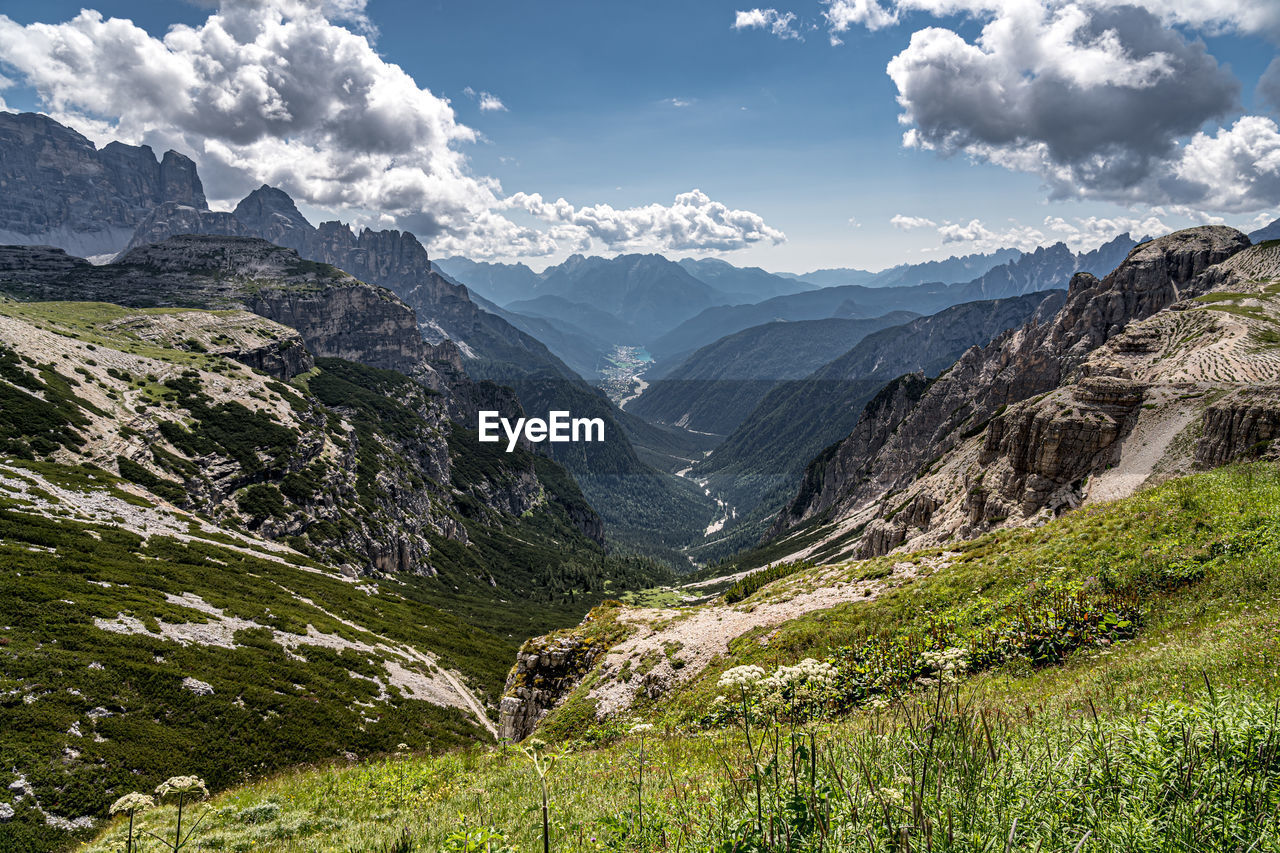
{"x":888,"y":458}
{"x":269,"y":213}
{"x":60,"y":190}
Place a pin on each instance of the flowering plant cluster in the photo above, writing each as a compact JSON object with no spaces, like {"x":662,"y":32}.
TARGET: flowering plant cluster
{"x":793,"y":693}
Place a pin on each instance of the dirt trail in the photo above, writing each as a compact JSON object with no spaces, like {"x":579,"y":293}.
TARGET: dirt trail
{"x":697,"y":636}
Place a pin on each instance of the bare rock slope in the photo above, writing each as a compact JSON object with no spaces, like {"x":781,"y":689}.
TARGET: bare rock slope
{"x":1169,"y":362}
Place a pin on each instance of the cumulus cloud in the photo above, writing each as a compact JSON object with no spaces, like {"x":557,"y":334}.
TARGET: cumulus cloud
{"x":1236,"y":169}
{"x":843,"y":14}
{"x":1092,"y":231}
{"x":290,"y":93}
{"x":1092,"y":100}
{"x":1101,"y":100}
{"x":980,"y":238}
{"x":261,"y":92}
{"x":1081,"y":233}
{"x":781,"y":24}
{"x":907,"y":223}
{"x":694,"y":222}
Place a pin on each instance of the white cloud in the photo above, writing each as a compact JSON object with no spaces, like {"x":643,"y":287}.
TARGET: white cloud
{"x":678,"y":102}
{"x":1215,"y":17}
{"x":261,"y":92}
{"x":278,"y":92}
{"x":843,"y":14}
{"x":1236,"y":169}
{"x":906,"y":223}
{"x":980,"y":238}
{"x":1102,"y":100}
{"x":1080,"y":233}
{"x":1089,"y":232}
{"x":487,"y":101}
{"x":781,"y":24}
{"x":694,"y":222}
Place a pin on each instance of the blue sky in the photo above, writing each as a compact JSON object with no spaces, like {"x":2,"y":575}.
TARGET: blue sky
{"x":631,"y":104}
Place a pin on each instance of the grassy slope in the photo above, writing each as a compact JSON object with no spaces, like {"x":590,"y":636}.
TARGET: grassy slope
{"x":86,"y":711}
{"x":1149,"y":773}
{"x":516,"y":577}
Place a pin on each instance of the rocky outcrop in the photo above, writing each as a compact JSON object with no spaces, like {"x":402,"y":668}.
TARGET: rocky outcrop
{"x":337,"y":315}
{"x":58,"y":189}
{"x":1033,"y":451}
{"x":1038,"y":453}
{"x":1245,"y":424}
{"x":174,"y":218}
{"x":282,"y":359}
{"x":547,"y":669}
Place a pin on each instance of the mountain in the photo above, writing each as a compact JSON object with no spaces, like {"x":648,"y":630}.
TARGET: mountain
{"x":633,"y":497}
{"x":742,"y":284}
{"x":582,"y":351}
{"x":953,"y":269}
{"x":500,"y":283}
{"x":1267,"y":232}
{"x":578,"y":316}
{"x":245,"y":526}
{"x":1165,"y":364}
{"x":718,"y":386}
{"x":391,"y":259}
{"x":756,"y":469}
{"x":1045,"y":268}
{"x":650,"y":292}
{"x":60,"y":190}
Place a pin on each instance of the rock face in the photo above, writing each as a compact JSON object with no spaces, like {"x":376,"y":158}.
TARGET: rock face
{"x":1046,"y":448}
{"x":546,"y":671}
{"x":329,"y":314}
{"x":1021,"y":457}
{"x":337,"y":315}
{"x":57,"y":189}
{"x":1243,"y":424}
{"x":392,"y":259}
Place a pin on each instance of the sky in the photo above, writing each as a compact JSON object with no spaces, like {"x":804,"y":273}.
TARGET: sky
{"x":811,"y":134}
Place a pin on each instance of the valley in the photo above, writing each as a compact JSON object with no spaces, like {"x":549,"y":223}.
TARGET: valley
{"x":623,"y":380}
{"x":860,"y":555}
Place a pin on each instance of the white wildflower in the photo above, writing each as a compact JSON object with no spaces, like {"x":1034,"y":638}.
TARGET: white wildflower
{"x":744,"y":677}
{"x":640,"y":728}
{"x":182,"y":785}
{"x":949,"y":664}
{"x":130,"y":803}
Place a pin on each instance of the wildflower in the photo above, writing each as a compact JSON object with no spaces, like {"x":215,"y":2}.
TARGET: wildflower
{"x":639,"y":728}
{"x":131,"y":803}
{"x":891,"y":796}
{"x":949,"y":663}
{"x":741,"y":676}
{"x":182,"y":785}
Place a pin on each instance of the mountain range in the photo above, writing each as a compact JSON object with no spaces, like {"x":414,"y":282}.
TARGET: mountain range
{"x":1165,"y":364}
{"x":246,"y":522}
{"x":1045,"y":268}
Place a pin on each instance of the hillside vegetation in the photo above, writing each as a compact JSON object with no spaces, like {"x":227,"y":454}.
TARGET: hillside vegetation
{"x":1105,"y":682}
{"x":208,"y":567}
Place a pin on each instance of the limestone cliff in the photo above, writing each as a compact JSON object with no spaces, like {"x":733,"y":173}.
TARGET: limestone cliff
{"x":1083,"y":406}
{"x":58,"y":189}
